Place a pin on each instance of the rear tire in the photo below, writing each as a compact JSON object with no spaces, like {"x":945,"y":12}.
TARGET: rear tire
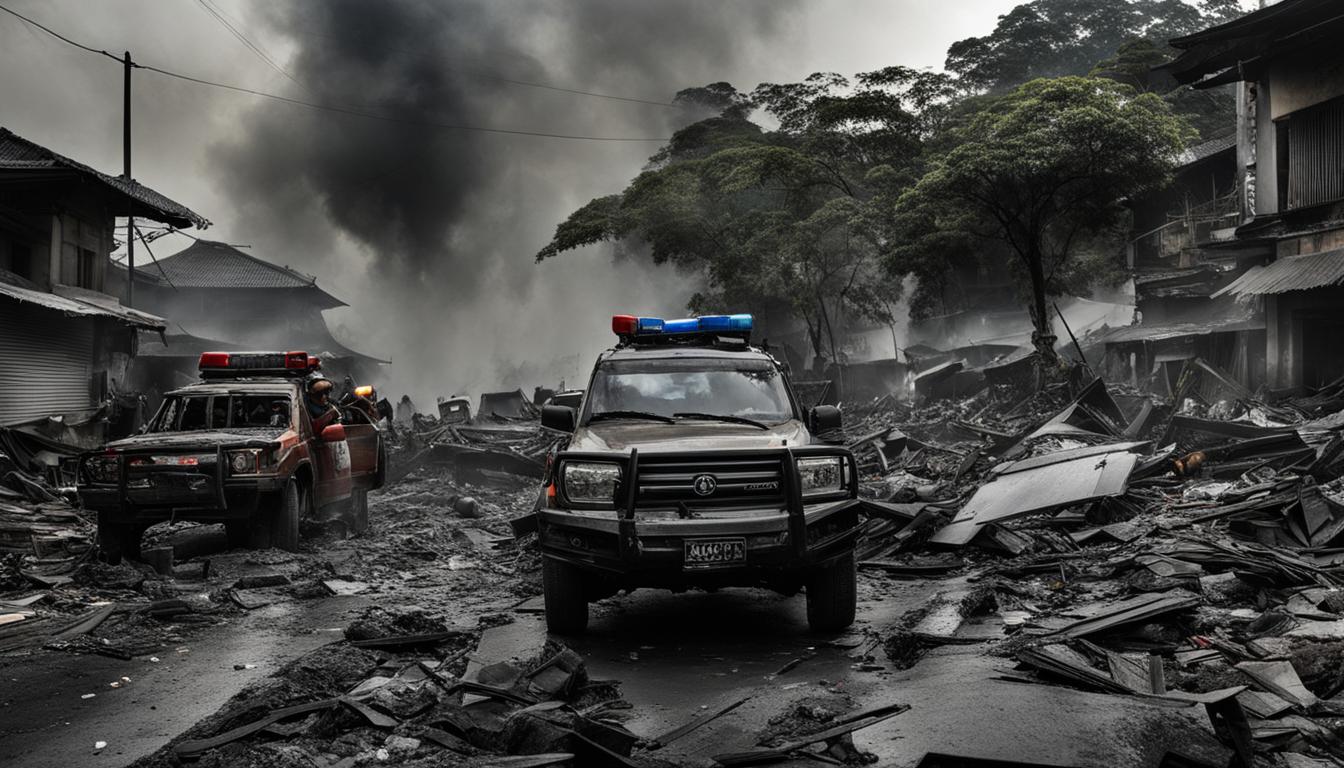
{"x":118,"y":540}
{"x":832,"y":593}
{"x":285,"y":517}
{"x":566,"y":600}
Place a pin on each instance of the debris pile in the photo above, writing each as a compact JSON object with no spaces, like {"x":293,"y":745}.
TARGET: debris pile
{"x":1189,"y":550}
{"x":405,"y":687}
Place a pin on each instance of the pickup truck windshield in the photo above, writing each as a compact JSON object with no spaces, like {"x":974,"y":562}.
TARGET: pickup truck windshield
{"x":752,"y":389}
{"x":186,"y":413}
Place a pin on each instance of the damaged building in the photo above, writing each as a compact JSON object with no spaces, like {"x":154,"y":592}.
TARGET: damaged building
{"x":1282,"y":258}
{"x":68,"y":341}
{"x":219,"y":297}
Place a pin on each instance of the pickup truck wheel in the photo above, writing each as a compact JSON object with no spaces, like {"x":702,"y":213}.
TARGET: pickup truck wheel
{"x":359,"y":511}
{"x":566,"y":601}
{"x":118,"y":540}
{"x":831,"y":596}
{"x":285,"y":517}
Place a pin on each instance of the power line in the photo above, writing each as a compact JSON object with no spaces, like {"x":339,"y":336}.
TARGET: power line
{"x":218,"y":15}
{"x":331,"y":107}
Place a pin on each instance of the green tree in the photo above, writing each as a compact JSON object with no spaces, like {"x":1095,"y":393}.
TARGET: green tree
{"x":780,"y":220}
{"x":1041,"y":171}
{"x":1054,"y":38}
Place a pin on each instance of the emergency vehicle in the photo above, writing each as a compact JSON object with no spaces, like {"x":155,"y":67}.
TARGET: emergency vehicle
{"x":238,"y":448}
{"x":691,"y":464}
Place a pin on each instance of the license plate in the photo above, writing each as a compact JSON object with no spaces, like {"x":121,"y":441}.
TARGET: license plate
{"x":709,"y":552}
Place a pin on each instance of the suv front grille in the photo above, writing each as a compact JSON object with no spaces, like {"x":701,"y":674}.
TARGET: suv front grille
{"x":671,"y":481}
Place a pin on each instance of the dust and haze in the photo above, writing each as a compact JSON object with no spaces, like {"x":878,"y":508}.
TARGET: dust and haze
{"x":427,"y":232}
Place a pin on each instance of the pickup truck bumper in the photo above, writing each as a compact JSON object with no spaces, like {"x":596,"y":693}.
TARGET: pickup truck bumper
{"x":147,"y":497}
{"x":652,"y":552}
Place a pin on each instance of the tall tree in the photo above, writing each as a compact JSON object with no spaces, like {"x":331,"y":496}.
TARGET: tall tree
{"x":780,"y":219}
{"x":1040,"y":171}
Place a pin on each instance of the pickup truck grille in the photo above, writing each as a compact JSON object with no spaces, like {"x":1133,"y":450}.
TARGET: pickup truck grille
{"x":670,"y":481}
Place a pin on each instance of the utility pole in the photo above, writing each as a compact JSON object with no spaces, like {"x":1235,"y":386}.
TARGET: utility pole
{"x":126,"y":171}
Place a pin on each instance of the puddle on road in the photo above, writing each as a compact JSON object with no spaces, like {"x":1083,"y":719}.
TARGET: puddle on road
{"x":679,"y":655}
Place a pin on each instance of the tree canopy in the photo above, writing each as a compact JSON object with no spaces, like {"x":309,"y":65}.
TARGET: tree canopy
{"x":1023,"y":153}
{"x":1040,"y":171}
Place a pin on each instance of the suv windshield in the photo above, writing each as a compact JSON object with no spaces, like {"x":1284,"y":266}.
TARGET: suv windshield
{"x":752,"y":389}
{"x":185,"y":413}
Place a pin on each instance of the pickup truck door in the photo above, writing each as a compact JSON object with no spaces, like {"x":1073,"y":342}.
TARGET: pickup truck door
{"x":331,"y":466}
{"x":362,"y":437}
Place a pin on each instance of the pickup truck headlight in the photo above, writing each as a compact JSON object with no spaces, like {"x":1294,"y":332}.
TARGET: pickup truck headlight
{"x":591,"y":482}
{"x":821,"y":476}
{"x":247,"y":462}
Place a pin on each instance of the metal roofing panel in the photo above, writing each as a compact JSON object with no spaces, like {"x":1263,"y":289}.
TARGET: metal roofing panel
{"x":1049,"y":487}
{"x":1291,"y":273}
{"x":79,"y":304}
{"x":1159,"y":332}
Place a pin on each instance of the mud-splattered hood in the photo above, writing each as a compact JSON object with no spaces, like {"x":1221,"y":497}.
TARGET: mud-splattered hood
{"x":228,"y":438}
{"x":686,"y":436}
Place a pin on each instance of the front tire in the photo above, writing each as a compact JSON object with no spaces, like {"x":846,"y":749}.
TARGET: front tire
{"x":284,"y":519}
{"x":832,"y":593}
{"x":566,"y":600}
{"x":358,"y":515}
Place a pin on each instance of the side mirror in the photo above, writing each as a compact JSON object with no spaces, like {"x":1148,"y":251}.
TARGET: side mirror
{"x":823,"y":418}
{"x":561,"y":418}
{"x":334,"y":433}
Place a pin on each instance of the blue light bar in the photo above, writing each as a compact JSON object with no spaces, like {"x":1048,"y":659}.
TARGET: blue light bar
{"x":689,"y":325}
{"x":655,"y":326}
{"x":725,"y":323}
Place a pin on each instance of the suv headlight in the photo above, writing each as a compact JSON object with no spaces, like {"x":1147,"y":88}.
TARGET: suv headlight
{"x":822,"y":475}
{"x":591,"y":482}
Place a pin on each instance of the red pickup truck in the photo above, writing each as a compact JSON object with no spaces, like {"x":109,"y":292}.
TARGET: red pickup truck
{"x":238,"y":448}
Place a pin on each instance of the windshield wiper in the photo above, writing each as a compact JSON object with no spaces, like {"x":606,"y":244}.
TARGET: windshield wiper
{"x":719,"y":417}
{"x":604,"y":415}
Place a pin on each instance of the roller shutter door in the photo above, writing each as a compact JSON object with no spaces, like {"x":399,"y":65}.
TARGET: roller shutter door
{"x":46,"y":362}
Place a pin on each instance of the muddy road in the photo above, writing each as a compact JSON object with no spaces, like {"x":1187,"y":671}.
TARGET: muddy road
{"x":122,"y":692}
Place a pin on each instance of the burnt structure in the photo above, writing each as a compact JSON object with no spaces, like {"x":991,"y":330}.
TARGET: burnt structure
{"x":220,"y":298}
{"x":1285,"y":62}
{"x":67,"y":341}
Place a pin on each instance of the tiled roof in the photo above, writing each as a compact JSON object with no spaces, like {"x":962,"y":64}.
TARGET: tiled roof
{"x":208,"y":264}
{"x":1208,"y":149}
{"x":20,"y":154}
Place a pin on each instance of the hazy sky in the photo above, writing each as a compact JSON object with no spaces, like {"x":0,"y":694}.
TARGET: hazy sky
{"x":429,"y":234}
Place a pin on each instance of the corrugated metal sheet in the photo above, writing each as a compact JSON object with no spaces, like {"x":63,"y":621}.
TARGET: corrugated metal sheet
{"x":1029,"y":486}
{"x":19,"y":153}
{"x":1292,"y":273}
{"x":81,"y":303}
{"x":46,"y":362}
{"x":1316,"y":155}
{"x":1160,"y":332}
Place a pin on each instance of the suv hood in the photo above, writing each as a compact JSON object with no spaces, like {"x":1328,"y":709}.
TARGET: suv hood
{"x":203,"y":439}
{"x":685,"y":436}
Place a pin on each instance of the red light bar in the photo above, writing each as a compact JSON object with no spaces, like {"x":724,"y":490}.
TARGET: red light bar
{"x":624,"y":325}
{"x":314,"y":362}
{"x":296,"y":360}
{"x":214,"y":360}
